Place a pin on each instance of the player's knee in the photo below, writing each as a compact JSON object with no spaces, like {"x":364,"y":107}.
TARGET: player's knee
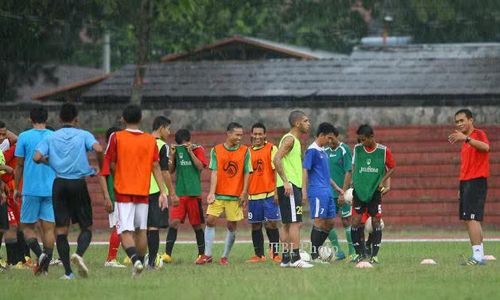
{"x":175,"y":224}
{"x":195,"y":227}
{"x":231,"y":226}
{"x":211,"y":221}
{"x":271,"y":225}
{"x":257,"y":226}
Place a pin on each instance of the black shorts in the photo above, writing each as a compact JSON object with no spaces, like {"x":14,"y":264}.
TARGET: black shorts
{"x":71,"y":201}
{"x":4,"y":217}
{"x":472,"y":198}
{"x":156,"y":217}
{"x":290,"y":207}
{"x":374,"y":207}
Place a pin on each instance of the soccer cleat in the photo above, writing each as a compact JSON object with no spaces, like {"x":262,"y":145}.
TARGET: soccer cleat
{"x":471,"y":261}
{"x":256,"y":259}
{"x":82,"y":268}
{"x":339,"y":256}
{"x":301,"y":264}
{"x":374,"y":260}
{"x":20,"y":266}
{"x":137,"y":269}
{"x":114,"y":264}
{"x":356,"y":258}
{"x":3,"y":264}
{"x":67,"y":277}
{"x":277,"y":259}
{"x":28,"y":262}
{"x":42,"y":264}
{"x":166,"y":258}
{"x":55,"y":262}
{"x":203,"y":259}
{"x":127,"y":261}
{"x":224,"y":261}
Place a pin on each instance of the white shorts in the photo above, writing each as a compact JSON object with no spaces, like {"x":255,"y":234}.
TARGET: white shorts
{"x":131,"y":216}
{"x":113,"y":217}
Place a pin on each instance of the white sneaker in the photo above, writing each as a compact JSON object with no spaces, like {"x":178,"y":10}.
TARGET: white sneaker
{"x":137,"y":269}
{"x":82,"y":268}
{"x":301,"y":264}
{"x":55,"y":262}
{"x":285,"y":264}
{"x":67,"y":277}
{"x":113,"y":264}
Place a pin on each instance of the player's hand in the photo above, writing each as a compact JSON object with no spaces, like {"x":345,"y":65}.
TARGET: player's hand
{"x":189,"y":146}
{"x":210,"y":198}
{"x":175,"y":200}
{"x":456,"y":136}
{"x":163,"y":201}
{"x":341,"y":199}
{"x":17,"y":196}
{"x":288,"y":188}
{"x":385,"y":190}
{"x":243,"y":199}
{"x":108,"y":205}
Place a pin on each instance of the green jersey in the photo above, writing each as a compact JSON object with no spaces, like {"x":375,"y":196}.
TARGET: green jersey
{"x":292,"y":163}
{"x":369,"y":169}
{"x":340,"y":163}
{"x":111,"y":188}
{"x":188,"y":179}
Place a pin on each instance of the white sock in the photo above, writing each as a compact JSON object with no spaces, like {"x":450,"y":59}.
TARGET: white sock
{"x":478,"y":252}
{"x":230,"y":237}
{"x":209,"y":240}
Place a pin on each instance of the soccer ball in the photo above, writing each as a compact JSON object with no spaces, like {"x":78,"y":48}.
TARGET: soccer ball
{"x":348,"y":196}
{"x":304,"y":256}
{"x":369,"y":227}
{"x":325,"y":253}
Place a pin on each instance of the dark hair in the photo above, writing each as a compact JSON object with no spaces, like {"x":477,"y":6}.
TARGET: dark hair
{"x":2,"y":124}
{"x":68,"y":112}
{"x":365,"y":130}
{"x":464,"y":111}
{"x":110,"y":131}
{"x":160,"y":121}
{"x":259,"y":125}
{"x":295,"y":116}
{"x":231,"y":126}
{"x":182,"y":135}
{"x":38,"y":115}
{"x":325,"y":128}
{"x":335,"y":131}
{"x":132,"y":114}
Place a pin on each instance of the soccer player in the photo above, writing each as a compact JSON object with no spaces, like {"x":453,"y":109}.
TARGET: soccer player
{"x":340,"y":158}
{"x":317,"y":187}
{"x":133,"y":155}
{"x":158,"y":218}
{"x":187,"y":161}
{"x":110,"y":207}
{"x":288,"y":163}
{"x":66,"y":152}
{"x":231,"y":165}
{"x":263,"y":199}
{"x":373,"y":165}
{"x":4,"y":218}
{"x":474,"y":173}
{"x":36,"y":190}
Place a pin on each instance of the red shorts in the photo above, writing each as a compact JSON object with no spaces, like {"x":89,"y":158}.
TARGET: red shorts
{"x":13,"y":211}
{"x":364,"y":217}
{"x":190,"y":205}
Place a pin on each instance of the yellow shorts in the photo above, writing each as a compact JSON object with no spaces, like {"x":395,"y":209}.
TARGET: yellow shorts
{"x":233,"y":210}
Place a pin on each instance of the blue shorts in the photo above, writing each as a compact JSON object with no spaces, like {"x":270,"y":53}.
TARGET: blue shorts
{"x":322,"y":206}
{"x":36,"y":208}
{"x":263,"y":210}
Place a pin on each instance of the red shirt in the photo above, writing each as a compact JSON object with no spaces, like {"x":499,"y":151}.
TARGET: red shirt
{"x":475,"y":164}
{"x":390,"y":163}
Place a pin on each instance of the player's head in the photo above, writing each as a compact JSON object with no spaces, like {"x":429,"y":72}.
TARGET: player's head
{"x":38,"y":115}
{"x":234,"y":133}
{"x":161,"y":125}
{"x":182,"y":136}
{"x":3,"y":131}
{"x":325,"y":134}
{"x":132,"y":114}
{"x":110,"y":131}
{"x":464,"y":121}
{"x":299,"y":120}
{"x":68,"y":113}
{"x":258,"y":134}
{"x":335,"y":139}
{"x":366,"y":135}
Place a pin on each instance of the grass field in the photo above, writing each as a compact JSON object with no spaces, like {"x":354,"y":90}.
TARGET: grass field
{"x":399,"y":276}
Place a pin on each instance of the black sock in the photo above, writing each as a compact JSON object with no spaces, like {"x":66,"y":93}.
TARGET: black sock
{"x":153,"y":245}
{"x":200,"y":241}
{"x":358,"y":240}
{"x":285,"y":256}
{"x":34,"y":246}
{"x":318,"y":238}
{"x":170,"y":241}
{"x":83,"y":241}
{"x":377,"y":240}
{"x":11,"y":246}
{"x":23,"y":249}
{"x":63,"y":250}
{"x":274,"y":240}
{"x":368,"y":245}
{"x":295,"y":255}
{"x":132,"y":254}
{"x":258,"y":242}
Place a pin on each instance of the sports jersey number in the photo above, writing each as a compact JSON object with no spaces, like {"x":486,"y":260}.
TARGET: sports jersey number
{"x":322,"y":211}
{"x":298,"y":210}
{"x":250,"y":215}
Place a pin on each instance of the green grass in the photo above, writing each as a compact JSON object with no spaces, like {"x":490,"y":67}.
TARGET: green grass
{"x":400,"y":276}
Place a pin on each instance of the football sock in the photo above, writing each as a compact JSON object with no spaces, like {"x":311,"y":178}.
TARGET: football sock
{"x":318,"y":237}
{"x":347,"y":231}
{"x":63,"y":250}
{"x":209,"y":240}
{"x":153,"y":245}
{"x":295,"y":255}
{"x":376,"y":241}
{"x":22,"y":248}
{"x":285,"y":257}
{"x":274,"y":240}
{"x":11,"y":246}
{"x":49,"y":252}
{"x":258,"y":242}
{"x":114,"y":244}
{"x":230,"y":238}
{"x":83,"y":242}
{"x":369,"y":244}
{"x":200,"y":241}
{"x":332,"y":236}
{"x":478,"y":252}
{"x":141,"y":259}
{"x":358,"y":240}
{"x":170,"y":241}
{"x":34,"y":246}
{"x":132,"y":254}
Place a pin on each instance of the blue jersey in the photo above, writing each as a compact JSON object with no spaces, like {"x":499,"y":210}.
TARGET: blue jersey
{"x":316,"y":163}
{"x":67,"y":152}
{"x":37,"y":178}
